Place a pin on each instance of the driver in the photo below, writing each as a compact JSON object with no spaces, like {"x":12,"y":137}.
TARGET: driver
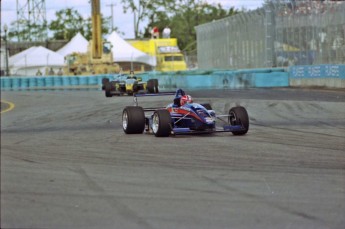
{"x":186,"y":99}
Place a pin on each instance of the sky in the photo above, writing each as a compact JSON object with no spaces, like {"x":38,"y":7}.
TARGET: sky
{"x":121,"y":20}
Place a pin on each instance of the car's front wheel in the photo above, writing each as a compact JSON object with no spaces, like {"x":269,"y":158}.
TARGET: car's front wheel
{"x":133,"y":120}
{"x":239,"y":116}
{"x":161,"y":123}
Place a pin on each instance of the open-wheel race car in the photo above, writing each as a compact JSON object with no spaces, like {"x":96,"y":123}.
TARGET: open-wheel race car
{"x":128,"y":85}
{"x":183,"y":116}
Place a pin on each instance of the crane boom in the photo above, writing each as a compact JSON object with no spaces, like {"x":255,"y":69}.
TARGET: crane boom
{"x":97,"y":46}
{"x":99,"y":58}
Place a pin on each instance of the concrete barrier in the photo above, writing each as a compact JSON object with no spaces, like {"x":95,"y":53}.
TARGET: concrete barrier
{"x":6,"y":83}
{"x":218,"y":79}
{"x":32,"y":82}
{"x":83,"y":80}
{"x":273,"y":79}
{"x":57,"y":80}
{"x":24,"y":82}
{"x":15,"y":83}
{"x":93,"y":80}
{"x":332,"y":76}
{"x":40,"y":82}
{"x":49,"y":81}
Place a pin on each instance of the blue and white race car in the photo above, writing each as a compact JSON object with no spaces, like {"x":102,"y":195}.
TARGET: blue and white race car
{"x":183,"y":116}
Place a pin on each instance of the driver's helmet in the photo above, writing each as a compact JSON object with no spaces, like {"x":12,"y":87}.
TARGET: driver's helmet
{"x":186,"y":99}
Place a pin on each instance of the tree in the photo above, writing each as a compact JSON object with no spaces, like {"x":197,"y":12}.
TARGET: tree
{"x":105,"y":27}
{"x":141,"y":11}
{"x":182,"y":16}
{"x":68,"y":23}
{"x":22,"y":31}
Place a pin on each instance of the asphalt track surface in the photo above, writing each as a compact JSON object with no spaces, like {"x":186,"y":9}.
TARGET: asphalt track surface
{"x":66,"y":163}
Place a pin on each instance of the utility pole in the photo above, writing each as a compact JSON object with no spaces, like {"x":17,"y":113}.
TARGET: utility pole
{"x":112,"y":15}
{"x":6,"y":50}
{"x":135,"y":24}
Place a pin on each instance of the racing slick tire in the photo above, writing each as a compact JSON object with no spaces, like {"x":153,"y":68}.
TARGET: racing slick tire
{"x":104,"y":82}
{"x":133,"y":120}
{"x":156,"y":85}
{"x":107,"y":90}
{"x":161,"y":123}
{"x":239,"y":116}
{"x":207,"y":106}
{"x":135,"y":87}
{"x":150,"y":86}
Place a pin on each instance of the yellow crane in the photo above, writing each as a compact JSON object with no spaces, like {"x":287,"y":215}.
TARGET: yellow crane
{"x":98,"y":59}
{"x":97,"y":47}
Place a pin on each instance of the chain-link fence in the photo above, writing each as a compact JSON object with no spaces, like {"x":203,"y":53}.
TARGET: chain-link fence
{"x":280,"y":34}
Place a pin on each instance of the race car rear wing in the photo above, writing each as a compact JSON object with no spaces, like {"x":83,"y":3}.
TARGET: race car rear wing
{"x":154,"y":94}
{"x":136,"y":95}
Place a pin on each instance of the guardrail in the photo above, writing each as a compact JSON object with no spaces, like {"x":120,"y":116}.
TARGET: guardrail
{"x":296,"y":76}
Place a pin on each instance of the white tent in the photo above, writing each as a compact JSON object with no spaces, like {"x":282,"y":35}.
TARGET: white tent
{"x":77,"y":44}
{"x":33,"y":59}
{"x":124,"y":52}
{"x":22,"y":54}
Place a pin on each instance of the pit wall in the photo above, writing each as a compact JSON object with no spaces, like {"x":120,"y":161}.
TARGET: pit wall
{"x":218,"y":79}
{"x":330,"y":76}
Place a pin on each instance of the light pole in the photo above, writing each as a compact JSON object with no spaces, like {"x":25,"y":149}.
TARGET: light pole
{"x":6,"y":50}
{"x":112,"y":16}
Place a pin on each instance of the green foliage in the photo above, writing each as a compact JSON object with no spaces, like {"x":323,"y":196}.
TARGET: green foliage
{"x":68,"y":23}
{"x":22,"y":31}
{"x":141,"y":11}
{"x":180,"y":15}
{"x":105,"y":27}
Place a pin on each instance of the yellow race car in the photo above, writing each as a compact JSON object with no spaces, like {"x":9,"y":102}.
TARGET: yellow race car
{"x":128,"y":85}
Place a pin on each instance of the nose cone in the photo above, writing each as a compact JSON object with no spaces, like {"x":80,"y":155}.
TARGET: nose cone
{"x":129,"y":87}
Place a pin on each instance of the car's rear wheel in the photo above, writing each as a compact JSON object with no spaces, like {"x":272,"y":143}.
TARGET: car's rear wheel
{"x":156,"y":85}
{"x":239,"y":116}
{"x":133,"y":120}
{"x":150,"y":86}
{"x":135,"y":87}
{"x":104,"y":81}
{"x":161,"y":123}
{"x":107,"y":89}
